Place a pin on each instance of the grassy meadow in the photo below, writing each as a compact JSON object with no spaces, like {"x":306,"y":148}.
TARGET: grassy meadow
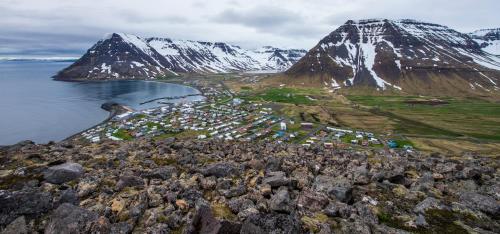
{"x":455,"y":126}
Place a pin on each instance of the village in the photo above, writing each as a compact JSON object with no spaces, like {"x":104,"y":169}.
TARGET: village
{"x":222,"y":116}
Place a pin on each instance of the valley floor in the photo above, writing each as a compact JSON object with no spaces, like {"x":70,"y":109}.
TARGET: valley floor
{"x":448,"y":125}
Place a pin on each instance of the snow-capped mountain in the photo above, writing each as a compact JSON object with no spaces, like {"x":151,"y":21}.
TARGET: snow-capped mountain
{"x":488,"y":39}
{"x":399,"y":54}
{"x":117,"y":56}
{"x":125,"y":56}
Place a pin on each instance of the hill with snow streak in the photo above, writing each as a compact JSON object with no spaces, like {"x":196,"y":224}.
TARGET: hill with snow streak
{"x":406,"y":55}
{"x":488,"y":39}
{"x":125,"y":56}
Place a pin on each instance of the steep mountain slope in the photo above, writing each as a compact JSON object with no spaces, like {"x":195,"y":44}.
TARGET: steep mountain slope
{"x":194,"y":56}
{"x":197,"y":56}
{"x":117,"y":56}
{"x":124,"y":56}
{"x":406,"y":55}
{"x":278,"y":59}
{"x":488,"y":39}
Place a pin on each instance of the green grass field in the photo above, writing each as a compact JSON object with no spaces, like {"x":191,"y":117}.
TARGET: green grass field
{"x":283,"y":95}
{"x":460,"y":118}
{"x":123,"y":134}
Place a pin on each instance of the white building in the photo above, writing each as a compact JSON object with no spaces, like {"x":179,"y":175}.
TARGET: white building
{"x":283,"y":126}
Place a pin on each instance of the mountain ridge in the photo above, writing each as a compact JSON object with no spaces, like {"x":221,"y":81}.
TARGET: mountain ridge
{"x":488,"y":39}
{"x":126,"y":56}
{"x":403,"y":54}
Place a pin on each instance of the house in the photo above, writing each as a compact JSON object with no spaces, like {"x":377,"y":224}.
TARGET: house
{"x":407,"y":147}
{"x":354,"y":142}
{"x":328,"y":145}
{"x":202,"y":137}
{"x":392,"y":144}
{"x":237,"y":102}
{"x":283,"y":126}
{"x":339,"y":130}
{"x":306,"y":125}
{"x":374,"y":141}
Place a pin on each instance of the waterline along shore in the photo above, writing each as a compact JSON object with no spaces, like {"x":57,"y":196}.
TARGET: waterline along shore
{"x":113,"y":108}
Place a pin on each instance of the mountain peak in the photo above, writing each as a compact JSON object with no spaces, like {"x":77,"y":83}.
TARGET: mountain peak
{"x":396,"y":54}
{"x":127,"y":56}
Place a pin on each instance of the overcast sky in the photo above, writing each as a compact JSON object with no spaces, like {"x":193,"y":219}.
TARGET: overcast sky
{"x":70,"y":27}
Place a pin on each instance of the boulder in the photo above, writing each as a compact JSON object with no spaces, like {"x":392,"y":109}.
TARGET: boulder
{"x":220,"y":170}
{"x":426,"y":204}
{"x":336,"y":188}
{"x":273,"y":164}
{"x":32,"y":203}
{"x":129,"y":181}
{"x":68,"y":218}
{"x":280,"y":201}
{"x":18,"y":226}
{"x":205,"y":222}
{"x":420,"y":221}
{"x":120,"y":228}
{"x":312,"y":201}
{"x":276,"y":179}
{"x":337,"y":209}
{"x":480,"y":202}
{"x":63,"y":173}
{"x":342,"y":194}
{"x":235,"y":192}
{"x":69,"y":196}
{"x":162,"y":173}
{"x":271,"y":223}
{"x":238,"y":204}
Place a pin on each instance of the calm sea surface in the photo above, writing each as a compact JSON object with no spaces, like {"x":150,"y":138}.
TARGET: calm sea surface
{"x":34,"y":107}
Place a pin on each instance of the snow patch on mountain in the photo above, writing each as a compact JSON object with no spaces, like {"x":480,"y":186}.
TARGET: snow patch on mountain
{"x":488,"y":39}
{"x":380,"y":52}
{"x":196,"y":56}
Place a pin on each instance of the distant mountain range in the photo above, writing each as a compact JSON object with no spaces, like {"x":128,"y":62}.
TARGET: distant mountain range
{"x":126,"y":56}
{"x":405,"y":55}
{"x":48,"y":59}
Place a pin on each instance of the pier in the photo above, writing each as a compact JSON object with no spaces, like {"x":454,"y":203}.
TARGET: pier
{"x":171,"y":98}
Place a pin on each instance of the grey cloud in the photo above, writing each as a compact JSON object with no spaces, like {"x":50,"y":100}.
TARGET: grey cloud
{"x":260,"y":17}
{"x":69,"y":27}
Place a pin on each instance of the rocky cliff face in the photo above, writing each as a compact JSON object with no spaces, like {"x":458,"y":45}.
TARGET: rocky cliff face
{"x":402,"y":55}
{"x":125,"y":56}
{"x":176,"y":186}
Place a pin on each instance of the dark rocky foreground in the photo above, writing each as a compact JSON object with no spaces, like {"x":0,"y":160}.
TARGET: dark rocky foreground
{"x":215,"y":187}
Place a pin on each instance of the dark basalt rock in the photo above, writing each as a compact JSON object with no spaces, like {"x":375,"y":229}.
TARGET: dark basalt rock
{"x":280,"y":201}
{"x":271,"y":223}
{"x":31,"y":203}
{"x":129,"y":181}
{"x":63,"y":173}
{"x":229,"y":189}
{"x":220,"y":170}
{"x":162,"y":173}
{"x":480,"y":202}
{"x":68,"y":218}
{"x":276,"y":179}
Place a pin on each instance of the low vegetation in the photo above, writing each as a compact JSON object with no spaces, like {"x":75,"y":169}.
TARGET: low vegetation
{"x":283,"y":95}
{"x":457,"y":118}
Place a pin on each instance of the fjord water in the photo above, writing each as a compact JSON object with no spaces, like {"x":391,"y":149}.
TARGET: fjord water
{"x":35,"y":107}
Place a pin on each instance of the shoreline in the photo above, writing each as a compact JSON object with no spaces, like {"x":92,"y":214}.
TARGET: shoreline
{"x":114,"y":110}
{"x":118,"y":109}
